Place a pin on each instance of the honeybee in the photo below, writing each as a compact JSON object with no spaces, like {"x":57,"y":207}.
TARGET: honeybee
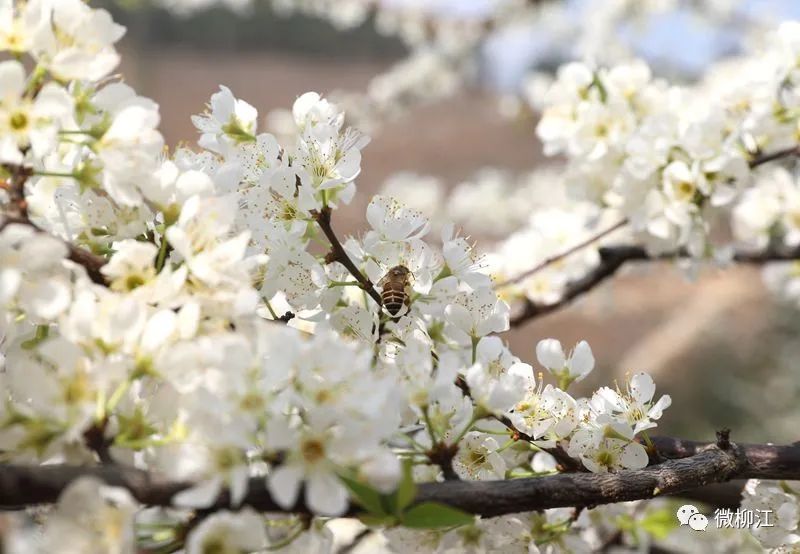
{"x":396,"y":289}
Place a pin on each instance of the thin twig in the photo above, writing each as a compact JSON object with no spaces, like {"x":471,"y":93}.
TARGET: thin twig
{"x":613,"y":258}
{"x":610,"y":262}
{"x":17,"y":212}
{"x":323,"y":218}
{"x":17,"y":205}
{"x":96,"y":440}
{"x":356,"y":542}
{"x":761,"y":159}
{"x":558,"y":257}
{"x":565,"y":461}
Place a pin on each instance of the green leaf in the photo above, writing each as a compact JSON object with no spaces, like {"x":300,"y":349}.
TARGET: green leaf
{"x":431,"y":515}
{"x":406,"y":490}
{"x":366,"y":496}
{"x":659,"y":523}
{"x":377,"y":521}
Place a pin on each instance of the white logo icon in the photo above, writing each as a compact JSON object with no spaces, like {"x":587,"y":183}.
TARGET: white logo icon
{"x":685,"y":512}
{"x":691,"y":516}
{"x":698,"y":522}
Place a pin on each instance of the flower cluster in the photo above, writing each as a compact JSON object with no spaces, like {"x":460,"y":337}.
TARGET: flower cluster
{"x":549,"y":233}
{"x":175,"y":365}
{"x":768,"y":215}
{"x":779,"y":502}
{"x":667,"y":158}
{"x":445,"y":43}
{"x":495,"y":203}
{"x":769,"y":211}
{"x":218,"y":345}
{"x":600,"y":430}
{"x":172,"y":363}
{"x":534,"y":216}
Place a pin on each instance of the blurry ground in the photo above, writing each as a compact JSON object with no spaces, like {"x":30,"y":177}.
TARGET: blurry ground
{"x":703,"y":341}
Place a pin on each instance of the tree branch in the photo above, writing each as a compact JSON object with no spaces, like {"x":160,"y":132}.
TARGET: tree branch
{"x":558,"y":257}
{"x":17,"y":212}
{"x":761,"y":158}
{"x":15,"y":186}
{"x":694,"y":465}
{"x":614,"y":257}
{"x":565,"y":461}
{"x":95,"y":439}
{"x":764,"y":461}
{"x":611,"y":259}
{"x":494,"y":498}
{"x":91,"y":262}
{"x":323,"y":218}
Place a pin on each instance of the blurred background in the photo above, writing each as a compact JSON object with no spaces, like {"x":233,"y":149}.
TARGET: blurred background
{"x":724,"y":349}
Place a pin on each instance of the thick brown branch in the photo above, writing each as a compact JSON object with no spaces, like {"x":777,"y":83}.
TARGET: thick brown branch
{"x":490,"y":498}
{"x":719,"y":495}
{"x":694,"y":466}
{"x":764,"y":461}
{"x":338,"y":254}
{"x":22,"y":486}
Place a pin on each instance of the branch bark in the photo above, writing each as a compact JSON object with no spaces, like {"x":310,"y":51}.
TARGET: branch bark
{"x":614,"y":257}
{"x":689,"y":466}
{"x":494,"y":498}
{"x":338,"y":254}
{"x":764,"y":461}
{"x":92,"y":263}
{"x":762,"y":158}
{"x":610,"y":261}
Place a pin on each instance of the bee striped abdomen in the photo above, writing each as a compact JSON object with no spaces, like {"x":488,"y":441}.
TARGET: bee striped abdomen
{"x":396,"y":289}
{"x":394,"y":297}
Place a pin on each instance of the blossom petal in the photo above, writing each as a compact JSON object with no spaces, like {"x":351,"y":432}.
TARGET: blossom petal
{"x":550,"y":354}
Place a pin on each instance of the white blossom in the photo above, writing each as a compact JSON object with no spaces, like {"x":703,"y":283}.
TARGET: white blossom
{"x":779,"y":500}
{"x":551,"y":355}
{"x":25,"y":122}
{"x":91,"y":517}
{"x":228,"y":532}
{"x":175,"y":351}
{"x":477,"y":458}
